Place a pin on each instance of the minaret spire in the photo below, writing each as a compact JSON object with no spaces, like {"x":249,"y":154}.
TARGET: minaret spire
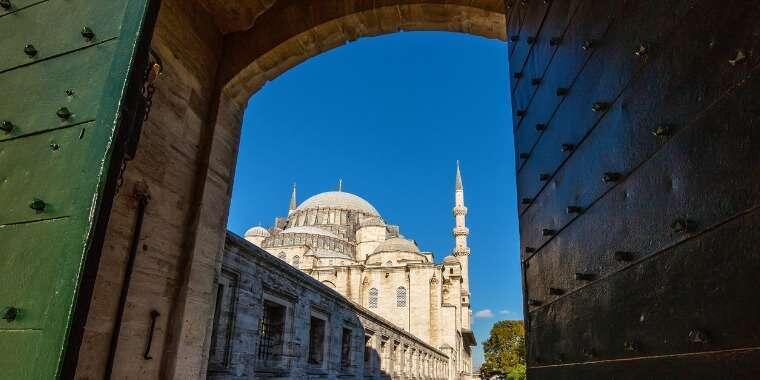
{"x":293,"y":202}
{"x":458,"y":185}
{"x":340,"y":184}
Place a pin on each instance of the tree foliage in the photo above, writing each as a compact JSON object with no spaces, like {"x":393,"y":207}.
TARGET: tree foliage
{"x":505,"y":351}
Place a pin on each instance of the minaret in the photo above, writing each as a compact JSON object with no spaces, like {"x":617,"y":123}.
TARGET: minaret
{"x":293,"y":203}
{"x":461,"y":250}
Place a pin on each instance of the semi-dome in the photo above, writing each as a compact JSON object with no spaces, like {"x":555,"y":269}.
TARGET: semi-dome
{"x":339,"y":200}
{"x":397,"y":245}
{"x":311,"y":231}
{"x":257,"y":231}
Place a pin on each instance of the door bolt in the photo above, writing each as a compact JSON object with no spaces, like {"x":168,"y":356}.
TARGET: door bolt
{"x":30,"y":50}
{"x":524,"y":156}
{"x":568,"y":147}
{"x":588,"y":44}
{"x":6,"y":126}
{"x":641,"y":51}
{"x":662,"y":130}
{"x":585,"y":276}
{"x":37,"y":205}
{"x":740,"y":57}
{"x":543,"y":177}
{"x":514,"y":38}
{"x":555,"y":41}
{"x":526,"y":201}
{"x":87,"y":33}
{"x":574,"y":209}
{"x":534,"y":302}
{"x":517,"y":75}
{"x":624,"y":256}
{"x":611,"y":177}
{"x":698,"y":336}
{"x":600,"y":106}
{"x":531,"y":40}
{"x":530,"y":250}
{"x":535,"y":81}
{"x":683,"y":226}
{"x":556,"y":291}
{"x":521,"y":113}
{"x":562,"y":91}
{"x":540,"y":127}
{"x":548,"y":232}
{"x":10,"y":314}
{"x":63,"y":113}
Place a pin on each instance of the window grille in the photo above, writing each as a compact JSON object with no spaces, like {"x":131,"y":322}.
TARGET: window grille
{"x":316,"y":341}
{"x":373,"y":297}
{"x":271,"y":331}
{"x":281,"y":256}
{"x":401,"y":296}
{"x":345,"y":349}
{"x":296,"y":261}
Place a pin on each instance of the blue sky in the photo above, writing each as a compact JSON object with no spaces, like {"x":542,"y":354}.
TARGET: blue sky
{"x":390,"y":115}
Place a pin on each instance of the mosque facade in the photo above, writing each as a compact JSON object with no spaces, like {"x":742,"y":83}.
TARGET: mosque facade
{"x":341,"y":240}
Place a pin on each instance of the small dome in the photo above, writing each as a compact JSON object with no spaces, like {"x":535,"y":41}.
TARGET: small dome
{"x":257,"y":231}
{"x":397,"y":245}
{"x":339,"y":200}
{"x":450,"y":260}
{"x":375,"y":221}
{"x":310,"y":230}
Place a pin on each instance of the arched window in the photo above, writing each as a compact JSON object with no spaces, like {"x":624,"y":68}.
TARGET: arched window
{"x":401,"y":296}
{"x":296,"y":261}
{"x":372,"y":301}
{"x":389,"y":263}
{"x":281,"y":256}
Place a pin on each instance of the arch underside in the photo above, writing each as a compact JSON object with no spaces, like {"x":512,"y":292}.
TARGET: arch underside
{"x":289,"y":34}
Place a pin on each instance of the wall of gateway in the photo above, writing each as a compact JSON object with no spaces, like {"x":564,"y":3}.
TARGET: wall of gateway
{"x":272,"y":320}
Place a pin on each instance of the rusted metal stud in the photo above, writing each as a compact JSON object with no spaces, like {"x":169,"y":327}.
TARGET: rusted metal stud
{"x":585,"y":276}
{"x":30,"y":50}
{"x":574,"y":209}
{"x":556,"y":291}
{"x":540,"y":127}
{"x":740,"y":57}
{"x":37,"y":205}
{"x":641,"y":50}
{"x":588,"y":44}
{"x":514,"y":38}
{"x":662,"y":130}
{"x":624,"y":256}
{"x":517,"y":75}
{"x":611,"y":177}
{"x":534,"y":302}
{"x":69,"y":92}
{"x":530,"y":250}
{"x":589,"y":352}
{"x":535,"y":81}
{"x":524,"y":156}
{"x":10,"y":314}
{"x":5,"y":4}
{"x":631,"y":346}
{"x":87,"y":33}
{"x":600,"y":106}
{"x":548,"y":232}
{"x":63,"y":113}
{"x":567,"y":147}
{"x":698,"y":336}
{"x":562,"y":91}
{"x":6,"y":126}
{"x":531,"y":40}
{"x":521,"y":113}
{"x":683,"y":226}
{"x":543,"y":177}
{"x":555,"y":41}
{"x":526,"y":201}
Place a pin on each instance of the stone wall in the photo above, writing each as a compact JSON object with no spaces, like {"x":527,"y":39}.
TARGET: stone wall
{"x":251,"y":278}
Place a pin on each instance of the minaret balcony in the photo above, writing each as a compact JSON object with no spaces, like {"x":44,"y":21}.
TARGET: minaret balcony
{"x":461,"y":251}
{"x":461,"y":231}
{"x":459,"y":210}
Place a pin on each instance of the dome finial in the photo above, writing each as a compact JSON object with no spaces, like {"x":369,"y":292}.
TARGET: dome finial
{"x":340,"y":184}
{"x":458,"y":185}
{"x":293,"y":203}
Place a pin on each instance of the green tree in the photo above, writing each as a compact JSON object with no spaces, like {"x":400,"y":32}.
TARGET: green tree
{"x":505,"y":351}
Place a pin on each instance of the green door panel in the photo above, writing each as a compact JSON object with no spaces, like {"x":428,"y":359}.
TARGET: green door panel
{"x":63,"y":163}
{"x":74,"y":81}
{"x":34,"y":249}
{"x":17,"y":347}
{"x":53,"y":179}
{"x":55,"y":27}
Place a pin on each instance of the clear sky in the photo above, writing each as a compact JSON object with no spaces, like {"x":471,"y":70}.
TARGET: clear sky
{"x":390,"y":115}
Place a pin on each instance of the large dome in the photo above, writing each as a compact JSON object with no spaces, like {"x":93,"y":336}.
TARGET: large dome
{"x":339,"y":200}
{"x":397,"y":245}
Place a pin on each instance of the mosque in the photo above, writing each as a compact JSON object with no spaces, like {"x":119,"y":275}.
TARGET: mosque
{"x":343,"y":241}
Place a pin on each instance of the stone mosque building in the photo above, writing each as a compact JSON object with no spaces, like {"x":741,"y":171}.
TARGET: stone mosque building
{"x":342,"y":241}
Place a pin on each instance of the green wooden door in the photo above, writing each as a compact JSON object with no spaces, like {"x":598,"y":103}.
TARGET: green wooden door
{"x":64,"y":70}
